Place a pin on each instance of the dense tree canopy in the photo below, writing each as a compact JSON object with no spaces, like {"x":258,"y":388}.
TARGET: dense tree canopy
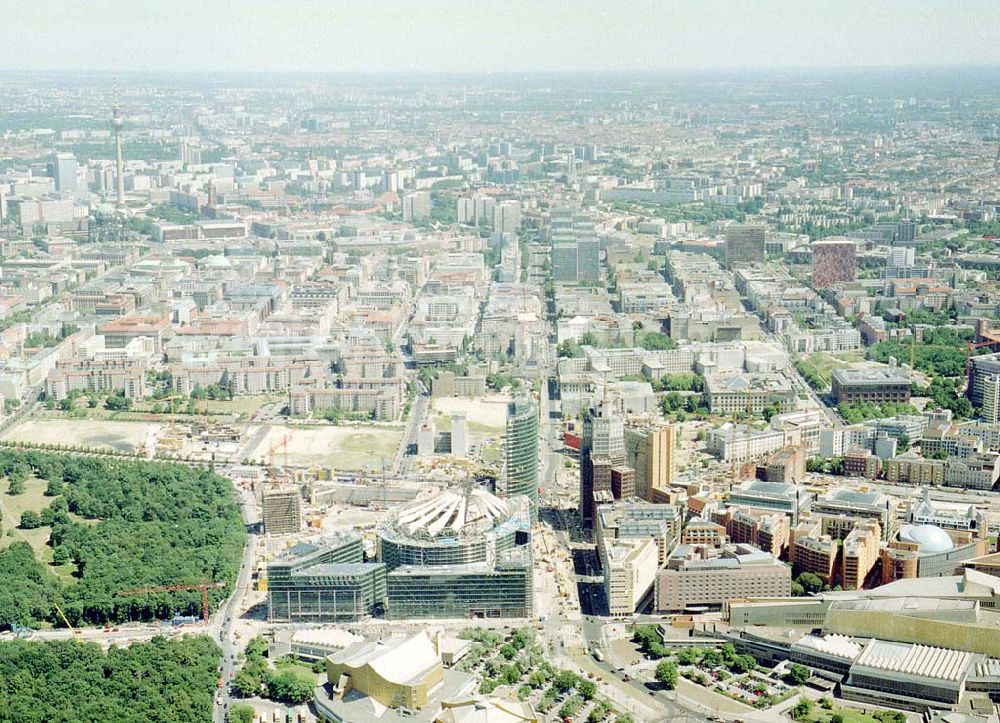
{"x":941,"y":353}
{"x":143,"y":524}
{"x":862,"y":411}
{"x":171,"y":681}
{"x":666,"y":673}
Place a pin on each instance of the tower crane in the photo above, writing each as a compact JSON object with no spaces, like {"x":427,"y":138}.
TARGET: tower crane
{"x":281,"y":444}
{"x":204,"y":585}
{"x":173,"y":411}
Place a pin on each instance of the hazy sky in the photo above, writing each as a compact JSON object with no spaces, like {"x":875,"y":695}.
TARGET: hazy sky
{"x":494,"y":35}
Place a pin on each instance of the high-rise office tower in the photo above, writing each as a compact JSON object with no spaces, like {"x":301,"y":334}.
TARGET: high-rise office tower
{"x":906,"y":232}
{"x":190,"y":155}
{"x":745,"y":246}
{"x":520,"y":475}
{"x":900,"y":257}
{"x":64,"y":172}
{"x":649,"y":450}
{"x":576,"y":246}
{"x":602,"y":449}
{"x":507,"y":216}
{"x":564,"y":257}
{"x":991,"y":399}
{"x":416,"y":205}
{"x":459,"y":436}
{"x":588,"y":255}
{"x":833,"y":262}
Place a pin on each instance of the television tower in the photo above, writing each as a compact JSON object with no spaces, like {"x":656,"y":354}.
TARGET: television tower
{"x":117,"y":123}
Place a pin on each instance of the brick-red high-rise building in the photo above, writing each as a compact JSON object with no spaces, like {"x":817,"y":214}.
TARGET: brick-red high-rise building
{"x":833,"y":262}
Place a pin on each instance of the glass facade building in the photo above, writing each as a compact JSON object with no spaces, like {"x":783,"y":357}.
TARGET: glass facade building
{"x":341,"y":592}
{"x":503,"y":590}
{"x":520,"y":475}
{"x":325,"y":581}
{"x":462,"y":554}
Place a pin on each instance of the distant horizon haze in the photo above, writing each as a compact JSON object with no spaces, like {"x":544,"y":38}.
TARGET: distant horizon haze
{"x":479,"y":37}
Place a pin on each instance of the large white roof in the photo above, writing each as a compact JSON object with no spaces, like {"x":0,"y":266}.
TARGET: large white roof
{"x":487,"y":710}
{"x":455,"y":511}
{"x":839,"y":645}
{"x":931,"y":538}
{"x":917,"y":660}
{"x":326,"y":637}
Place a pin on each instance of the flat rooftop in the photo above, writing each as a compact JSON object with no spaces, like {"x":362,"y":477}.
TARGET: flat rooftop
{"x":880,"y":375}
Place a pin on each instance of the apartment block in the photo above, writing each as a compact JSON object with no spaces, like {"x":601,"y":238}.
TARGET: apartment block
{"x":704,"y":533}
{"x":787,"y":465}
{"x":817,"y":555}
{"x":858,"y":504}
{"x":768,"y":531}
{"x":979,"y":472}
{"x":910,"y":468}
{"x":639,"y":520}
{"x":729,"y":393}
{"x":861,"y":551}
{"x":860,"y":462}
{"x":790,"y":500}
{"x":743,"y":443}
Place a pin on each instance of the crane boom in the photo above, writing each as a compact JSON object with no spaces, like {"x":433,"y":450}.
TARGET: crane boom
{"x":62,"y":615}
{"x":281,"y":444}
{"x":204,"y":585}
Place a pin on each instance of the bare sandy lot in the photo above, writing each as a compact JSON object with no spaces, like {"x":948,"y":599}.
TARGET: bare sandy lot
{"x":341,"y":447}
{"x":94,"y":433}
{"x":485,"y":415}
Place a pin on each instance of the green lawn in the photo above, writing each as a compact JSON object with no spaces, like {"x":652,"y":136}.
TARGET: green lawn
{"x":237,"y":405}
{"x":826,"y":362}
{"x":141,"y":410}
{"x":490,"y":454}
{"x":301,"y":669}
{"x":33,"y":498}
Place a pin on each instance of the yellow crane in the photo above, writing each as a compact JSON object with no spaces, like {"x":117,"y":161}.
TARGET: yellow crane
{"x":173,"y":411}
{"x":76,"y":633}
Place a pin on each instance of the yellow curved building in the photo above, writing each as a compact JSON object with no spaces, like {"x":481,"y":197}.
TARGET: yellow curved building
{"x":396,"y":673}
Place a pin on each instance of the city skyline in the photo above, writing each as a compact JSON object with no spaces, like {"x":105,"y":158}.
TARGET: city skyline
{"x":419,"y":360}
{"x":516,"y":37}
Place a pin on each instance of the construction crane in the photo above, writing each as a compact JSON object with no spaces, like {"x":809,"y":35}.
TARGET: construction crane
{"x":204,"y":585}
{"x":173,"y":412}
{"x":280,"y":444}
{"x":76,"y":633}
